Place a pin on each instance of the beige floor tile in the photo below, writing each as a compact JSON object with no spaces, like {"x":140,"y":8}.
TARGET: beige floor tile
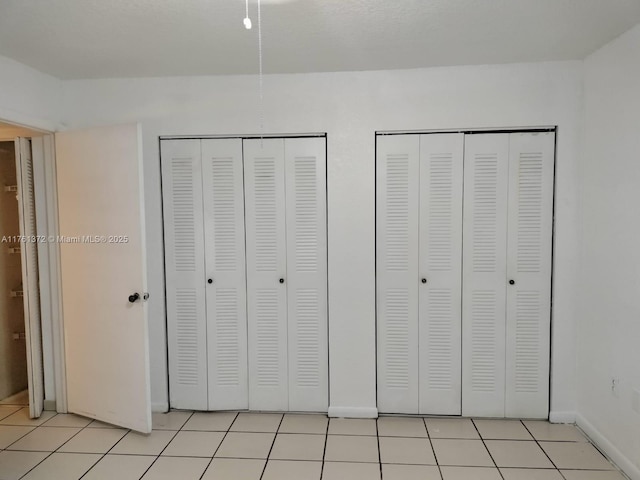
{"x":545,"y":431}
{"x":67,"y":420}
{"x":234,"y":469}
{"x":14,"y":465}
{"x":21,"y":417}
{"x":257,"y":422}
{"x":135,"y":443}
{"x":470,"y":473}
{"x":502,"y":430}
{"x":94,"y":440}
{"x":348,"y":448}
{"x":6,"y":410}
{"x":592,"y":475}
{"x":352,"y":426}
{"x":350,"y":471}
{"x":530,"y":474}
{"x":471,"y":453}
{"x":287,"y":470}
{"x":120,"y":467}
{"x":12,"y":433}
{"x":517,"y":453}
{"x":296,"y":446}
{"x":20,"y":398}
{"x":194,"y":444}
{"x":451,"y":428}
{"x":170,"y":420}
{"x":63,"y":466}
{"x":210,"y":421}
{"x":569,"y":455}
{"x":401,"y":427}
{"x":246,"y":445}
{"x":172,"y":468}
{"x":415,"y":451}
{"x":410,"y":472}
{"x":304,"y":424}
{"x":45,"y":439}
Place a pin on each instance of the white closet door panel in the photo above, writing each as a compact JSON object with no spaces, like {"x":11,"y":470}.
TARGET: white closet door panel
{"x":185,"y":276}
{"x":266,"y":265}
{"x":305,"y":173}
{"x":484,"y":274}
{"x":223,"y":199}
{"x":441,"y":159}
{"x":397,"y":187}
{"x":530,"y":217}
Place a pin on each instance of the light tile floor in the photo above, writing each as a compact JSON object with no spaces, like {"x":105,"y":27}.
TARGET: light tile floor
{"x":250,"y":446}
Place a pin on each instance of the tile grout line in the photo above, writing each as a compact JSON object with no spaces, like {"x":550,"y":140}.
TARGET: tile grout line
{"x":271,"y":449}
{"x":487,"y":449}
{"x":219,"y":445}
{"x":543,"y":450}
{"x":378,"y":442}
{"x":324,"y":451}
{"x":433,"y":450}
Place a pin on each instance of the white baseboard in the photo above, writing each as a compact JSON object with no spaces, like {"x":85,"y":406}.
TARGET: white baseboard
{"x":160,"y":407}
{"x":562,"y":417}
{"x":353,"y":412}
{"x":608,"y":448}
{"x":49,"y":405}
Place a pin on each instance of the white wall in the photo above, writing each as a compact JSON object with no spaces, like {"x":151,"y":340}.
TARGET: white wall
{"x":28,"y":97}
{"x":609,"y":317}
{"x":350,"y":107}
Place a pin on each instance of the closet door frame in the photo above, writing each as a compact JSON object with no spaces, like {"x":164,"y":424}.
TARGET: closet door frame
{"x":549,"y":129}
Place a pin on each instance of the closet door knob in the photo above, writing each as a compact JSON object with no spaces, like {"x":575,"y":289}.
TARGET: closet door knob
{"x":281,"y":280}
{"x":134,"y":297}
{"x":512,"y":282}
{"x":210,"y":281}
{"x":424,"y":280}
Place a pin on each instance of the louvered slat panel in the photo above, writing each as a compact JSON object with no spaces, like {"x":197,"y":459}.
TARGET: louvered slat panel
{"x":266,"y":264}
{"x":397,"y":204}
{"x":484,"y":273}
{"x":441,"y":159}
{"x":185,"y":277}
{"x":223,"y":198}
{"x":305,"y":174}
{"x":529,"y":265}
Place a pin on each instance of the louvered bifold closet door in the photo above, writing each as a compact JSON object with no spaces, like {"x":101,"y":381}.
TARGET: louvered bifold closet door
{"x":305,"y":173}
{"x":397,"y":200}
{"x":266,"y":266}
{"x":531,"y":164}
{"x":223,"y":199}
{"x":441,"y":158}
{"x":185,"y":276}
{"x":484,"y":274}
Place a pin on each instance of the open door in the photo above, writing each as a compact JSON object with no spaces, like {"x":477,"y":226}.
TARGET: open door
{"x":30,"y":284}
{"x":103,"y":274}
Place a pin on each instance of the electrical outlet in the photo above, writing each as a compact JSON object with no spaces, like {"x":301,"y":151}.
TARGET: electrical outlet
{"x":615,"y":386}
{"x":635,"y":401}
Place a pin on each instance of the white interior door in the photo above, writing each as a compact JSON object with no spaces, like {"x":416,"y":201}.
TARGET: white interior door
{"x":30,"y":283}
{"x":185,"y":273}
{"x":530,"y":219}
{"x":441,"y":159}
{"x":101,"y":214}
{"x":486,"y":162}
{"x":397,"y":276}
{"x":223,"y":199}
{"x":266,"y":273}
{"x":306,"y":218}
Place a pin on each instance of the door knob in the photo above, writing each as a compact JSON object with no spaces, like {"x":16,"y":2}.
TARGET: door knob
{"x":512,"y":282}
{"x":424,"y":280}
{"x":134,"y":297}
{"x":281,"y":280}
{"x":210,"y":280}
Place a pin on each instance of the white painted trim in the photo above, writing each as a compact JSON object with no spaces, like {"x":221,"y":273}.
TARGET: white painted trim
{"x":160,"y":407}
{"x":353,"y":412}
{"x":26,"y":121}
{"x":562,"y":417}
{"x":608,"y":448}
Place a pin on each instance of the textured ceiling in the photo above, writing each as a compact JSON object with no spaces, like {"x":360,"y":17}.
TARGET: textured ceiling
{"x":126,"y":38}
